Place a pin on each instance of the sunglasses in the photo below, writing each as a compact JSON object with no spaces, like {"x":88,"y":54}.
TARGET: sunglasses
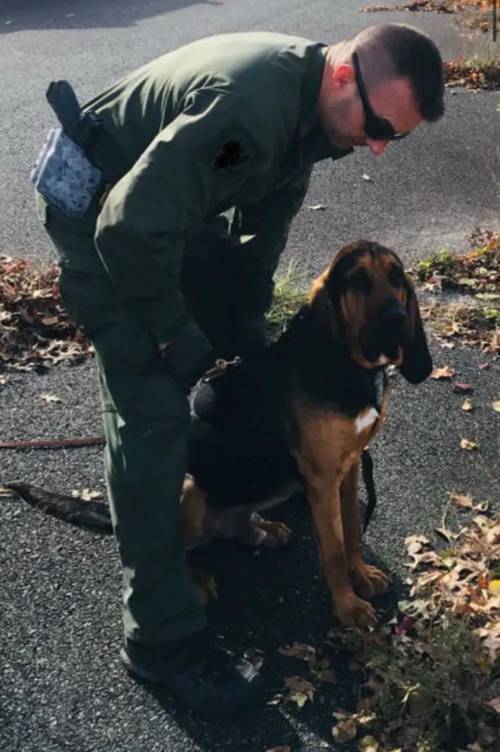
{"x":377,"y":128}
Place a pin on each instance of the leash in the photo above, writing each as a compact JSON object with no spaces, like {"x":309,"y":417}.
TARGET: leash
{"x":367,"y":468}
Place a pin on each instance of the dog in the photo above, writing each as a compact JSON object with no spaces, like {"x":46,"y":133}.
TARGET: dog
{"x":297,"y":416}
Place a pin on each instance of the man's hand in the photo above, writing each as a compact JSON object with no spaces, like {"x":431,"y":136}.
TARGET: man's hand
{"x":188,"y":356}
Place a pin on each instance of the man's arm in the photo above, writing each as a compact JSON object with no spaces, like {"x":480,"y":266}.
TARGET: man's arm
{"x":267,"y":224}
{"x":173,"y":186}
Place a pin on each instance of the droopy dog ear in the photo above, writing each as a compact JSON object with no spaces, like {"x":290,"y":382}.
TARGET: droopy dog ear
{"x":321,"y":305}
{"x":417,"y":361}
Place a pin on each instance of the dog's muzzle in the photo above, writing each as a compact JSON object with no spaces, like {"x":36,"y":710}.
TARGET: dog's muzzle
{"x":385,"y":335}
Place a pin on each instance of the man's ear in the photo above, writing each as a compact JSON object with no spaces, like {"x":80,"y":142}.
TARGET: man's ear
{"x":343,"y":74}
{"x":417,"y":361}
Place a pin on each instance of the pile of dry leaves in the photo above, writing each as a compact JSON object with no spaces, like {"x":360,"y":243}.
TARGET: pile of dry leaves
{"x":34,"y":329}
{"x":473,"y":318}
{"x":430,"y":677}
{"x":472,"y":74}
{"x":475,"y":14}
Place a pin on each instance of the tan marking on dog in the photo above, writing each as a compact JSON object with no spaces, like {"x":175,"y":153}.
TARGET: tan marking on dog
{"x":329,"y":447}
{"x":193,"y":511}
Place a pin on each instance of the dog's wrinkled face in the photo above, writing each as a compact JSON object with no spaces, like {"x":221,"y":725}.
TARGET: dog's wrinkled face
{"x":372,"y":305}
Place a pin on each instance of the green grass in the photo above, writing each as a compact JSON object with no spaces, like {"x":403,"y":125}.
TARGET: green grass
{"x":442,"y":262}
{"x":289,"y":296}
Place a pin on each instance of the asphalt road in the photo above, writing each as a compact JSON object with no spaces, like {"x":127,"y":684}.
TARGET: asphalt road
{"x":61,"y":684}
{"x":425,"y":192}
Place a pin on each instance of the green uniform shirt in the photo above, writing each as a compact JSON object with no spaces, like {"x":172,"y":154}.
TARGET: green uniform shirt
{"x":228,"y":121}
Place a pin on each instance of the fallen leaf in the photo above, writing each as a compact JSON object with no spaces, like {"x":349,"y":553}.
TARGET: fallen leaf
{"x":443,"y":373}
{"x":299,"y":650}
{"x":366,"y":719}
{"x":415,"y":543}
{"x":460,"y":501}
{"x":460,"y":388}
{"x":368,"y":744}
{"x":484,"y":366}
{"x":495,"y":704}
{"x":344,"y":731}
{"x":50,"y":398}
{"x":467,"y":407}
{"x":428,"y":557}
{"x":448,"y":535}
{"x":468,"y":445}
{"x":494,"y":587}
{"x":483,"y":506}
{"x":86,"y":494}
{"x":299,"y":690}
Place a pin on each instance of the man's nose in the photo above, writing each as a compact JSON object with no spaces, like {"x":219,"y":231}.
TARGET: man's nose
{"x":376,"y":146}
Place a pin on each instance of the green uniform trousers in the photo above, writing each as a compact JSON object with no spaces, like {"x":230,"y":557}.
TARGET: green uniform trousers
{"x":146,"y":419}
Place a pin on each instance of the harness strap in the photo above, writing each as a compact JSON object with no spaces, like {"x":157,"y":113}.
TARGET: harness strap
{"x":367,"y":468}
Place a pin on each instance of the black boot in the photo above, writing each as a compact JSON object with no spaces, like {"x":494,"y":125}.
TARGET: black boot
{"x":197,"y":672}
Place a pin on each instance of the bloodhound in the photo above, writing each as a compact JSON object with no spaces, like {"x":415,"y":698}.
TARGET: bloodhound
{"x":298,"y":415}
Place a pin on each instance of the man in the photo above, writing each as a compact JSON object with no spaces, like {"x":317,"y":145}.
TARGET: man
{"x":161,"y":281}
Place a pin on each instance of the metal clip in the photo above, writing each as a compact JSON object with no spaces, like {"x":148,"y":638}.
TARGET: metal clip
{"x":220,"y":368}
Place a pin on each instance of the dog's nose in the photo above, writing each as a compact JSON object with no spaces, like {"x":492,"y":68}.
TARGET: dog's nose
{"x":393,"y":314}
{"x":393,"y":323}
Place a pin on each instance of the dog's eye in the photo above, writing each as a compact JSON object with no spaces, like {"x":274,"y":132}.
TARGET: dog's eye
{"x":396,"y":276}
{"x":359,"y":282}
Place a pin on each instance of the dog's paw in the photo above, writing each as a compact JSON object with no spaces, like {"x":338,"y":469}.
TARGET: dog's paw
{"x":352,"y":611}
{"x":263,"y":533}
{"x":368,"y":581}
{"x":271,"y":534}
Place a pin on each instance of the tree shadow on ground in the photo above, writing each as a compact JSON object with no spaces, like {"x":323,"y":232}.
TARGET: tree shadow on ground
{"x":270,"y":599}
{"x":18,"y":15}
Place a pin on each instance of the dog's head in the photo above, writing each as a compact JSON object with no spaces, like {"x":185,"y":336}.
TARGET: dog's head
{"x":371,"y":304}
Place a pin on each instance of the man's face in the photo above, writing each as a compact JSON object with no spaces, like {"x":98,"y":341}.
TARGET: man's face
{"x":343,"y":116}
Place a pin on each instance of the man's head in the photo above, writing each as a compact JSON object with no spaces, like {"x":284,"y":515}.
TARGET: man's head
{"x":383,"y":83}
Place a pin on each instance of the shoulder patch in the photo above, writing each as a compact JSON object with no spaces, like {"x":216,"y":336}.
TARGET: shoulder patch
{"x":230,"y":155}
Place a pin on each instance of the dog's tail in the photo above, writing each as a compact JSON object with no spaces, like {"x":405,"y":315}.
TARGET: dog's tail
{"x":92,"y":514}
{"x":367,"y":468}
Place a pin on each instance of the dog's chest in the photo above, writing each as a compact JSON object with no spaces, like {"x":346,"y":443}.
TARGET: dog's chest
{"x":368,"y":421}
{"x":329,"y":438}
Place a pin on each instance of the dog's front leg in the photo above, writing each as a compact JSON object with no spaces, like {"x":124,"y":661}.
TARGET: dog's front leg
{"x":368,"y":581}
{"x":323,"y":493}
